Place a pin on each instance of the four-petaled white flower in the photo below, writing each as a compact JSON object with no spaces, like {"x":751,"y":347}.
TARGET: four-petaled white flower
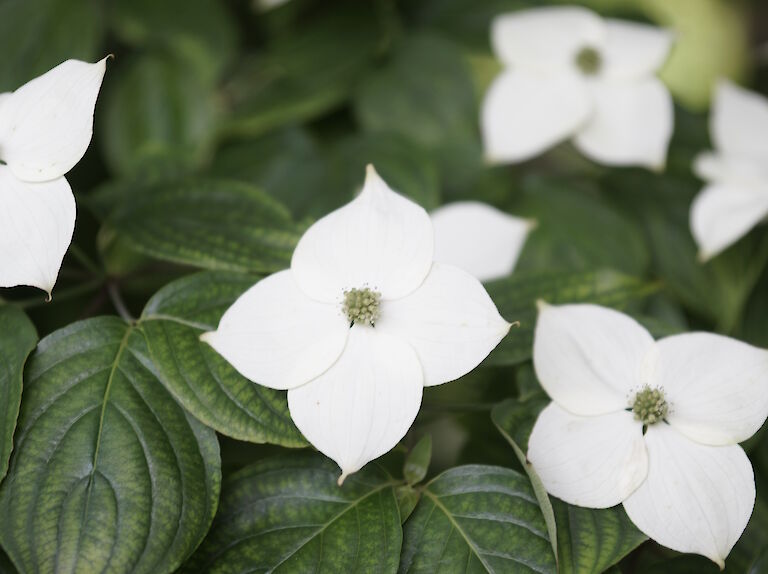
{"x":736,"y":196}
{"x":479,"y":238}
{"x":359,"y":324}
{"x":570,"y":73}
{"x":650,"y":424}
{"x":45,"y":128}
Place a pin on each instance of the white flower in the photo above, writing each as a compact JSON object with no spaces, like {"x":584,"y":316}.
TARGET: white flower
{"x":45,"y":128}
{"x":479,"y":238}
{"x":361,"y":322}
{"x":736,"y":196}
{"x":685,"y":482}
{"x":571,"y":74}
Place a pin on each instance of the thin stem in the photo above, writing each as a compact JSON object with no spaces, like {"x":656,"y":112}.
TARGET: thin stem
{"x":118,"y":302}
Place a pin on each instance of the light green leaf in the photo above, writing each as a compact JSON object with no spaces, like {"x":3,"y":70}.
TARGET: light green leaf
{"x":516,"y":298}
{"x":17,"y":339}
{"x":158,"y":114}
{"x":202,"y":31}
{"x":477,"y":519}
{"x":215,"y":224}
{"x":417,"y":462}
{"x":287,"y":514}
{"x":197,"y":376}
{"x":108,"y":471}
{"x":36,"y":35}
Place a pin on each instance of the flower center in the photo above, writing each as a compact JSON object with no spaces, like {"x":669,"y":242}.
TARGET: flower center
{"x":589,"y":61}
{"x":650,"y":406}
{"x":361,"y":306}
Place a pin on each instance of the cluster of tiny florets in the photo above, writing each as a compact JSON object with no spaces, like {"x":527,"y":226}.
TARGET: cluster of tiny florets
{"x":361,"y":306}
{"x":589,"y":61}
{"x":650,"y":406}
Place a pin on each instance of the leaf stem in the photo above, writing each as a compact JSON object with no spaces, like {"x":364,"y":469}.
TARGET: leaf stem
{"x":117,"y":300}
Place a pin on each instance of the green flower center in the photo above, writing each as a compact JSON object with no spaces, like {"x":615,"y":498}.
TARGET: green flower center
{"x":650,"y":406}
{"x":361,"y":306}
{"x":589,"y":61}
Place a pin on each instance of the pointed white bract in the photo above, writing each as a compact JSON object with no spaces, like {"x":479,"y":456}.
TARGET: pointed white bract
{"x":735,"y":198}
{"x":570,"y":74}
{"x":45,"y":128}
{"x":654,"y":425}
{"x":359,"y":324}
{"x":479,"y":239}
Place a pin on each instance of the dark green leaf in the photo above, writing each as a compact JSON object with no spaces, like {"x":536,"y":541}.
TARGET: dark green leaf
{"x":108,"y":471}
{"x":573,"y":227}
{"x":308,"y":74}
{"x":287,"y":514}
{"x":6,"y":566}
{"x":516,"y":299}
{"x":36,"y":35}
{"x":200,"y":379}
{"x":407,"y":499}
{"x":426,"y":94}
{"x":17,"y":339}
{"x":417,"y":461}
{"x":158,"y":114}
{"x":209,"y":223}
{"x":590,"y":541}
{"x":477,"y":519}
{"x":201,"y":31}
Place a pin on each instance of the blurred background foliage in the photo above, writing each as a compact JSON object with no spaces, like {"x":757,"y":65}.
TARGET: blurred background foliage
{"x":224,"y":128}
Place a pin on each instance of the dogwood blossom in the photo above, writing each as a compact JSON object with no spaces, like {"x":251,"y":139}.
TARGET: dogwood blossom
{"x":45,"y":128}
{"x":571,"y":74}
{"x":359,"y":324}
{"x":479,"y":238}
{"x":735,"y":198}
{"x":650,"y":424}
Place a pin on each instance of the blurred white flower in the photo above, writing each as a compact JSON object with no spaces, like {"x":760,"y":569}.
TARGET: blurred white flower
{"x":45,"y":128}
{"x":479,"y":238}
{"x":359,"y":324}
{"x":736,"y":196}
{"x":650,"y":424}
{"x":571,"y":74}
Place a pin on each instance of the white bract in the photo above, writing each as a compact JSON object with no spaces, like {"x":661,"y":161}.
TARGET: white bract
{"x":45,"y":128}
{"x":735,"y":198}
{"x":359,"y":324}
{"x":479,"y":238}
{"x":571,"y":74}
{"x":650,"y":424}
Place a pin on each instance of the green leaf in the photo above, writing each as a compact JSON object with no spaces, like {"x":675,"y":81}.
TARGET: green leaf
{"x":426,"y":95}
{"x":590,"y":541}
{"x":6,"y":566}
{"x":201,"y":31}
{"x":215,"y":224}
{"x":158,"y":114}
{"x":108,"y":471}
{"x":287,"y":514}
{"x":516,"y":298}
{"x":196,"y":375}
{"x":36,"y":35}
{"x":17,"y":339}
{"x":573,"y":224}
{"x":477,"y":519}
{"x":417,"y":462}
{"x":407,"y":499}
{"x":308,"y":74}
{"x":514,"y":419}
